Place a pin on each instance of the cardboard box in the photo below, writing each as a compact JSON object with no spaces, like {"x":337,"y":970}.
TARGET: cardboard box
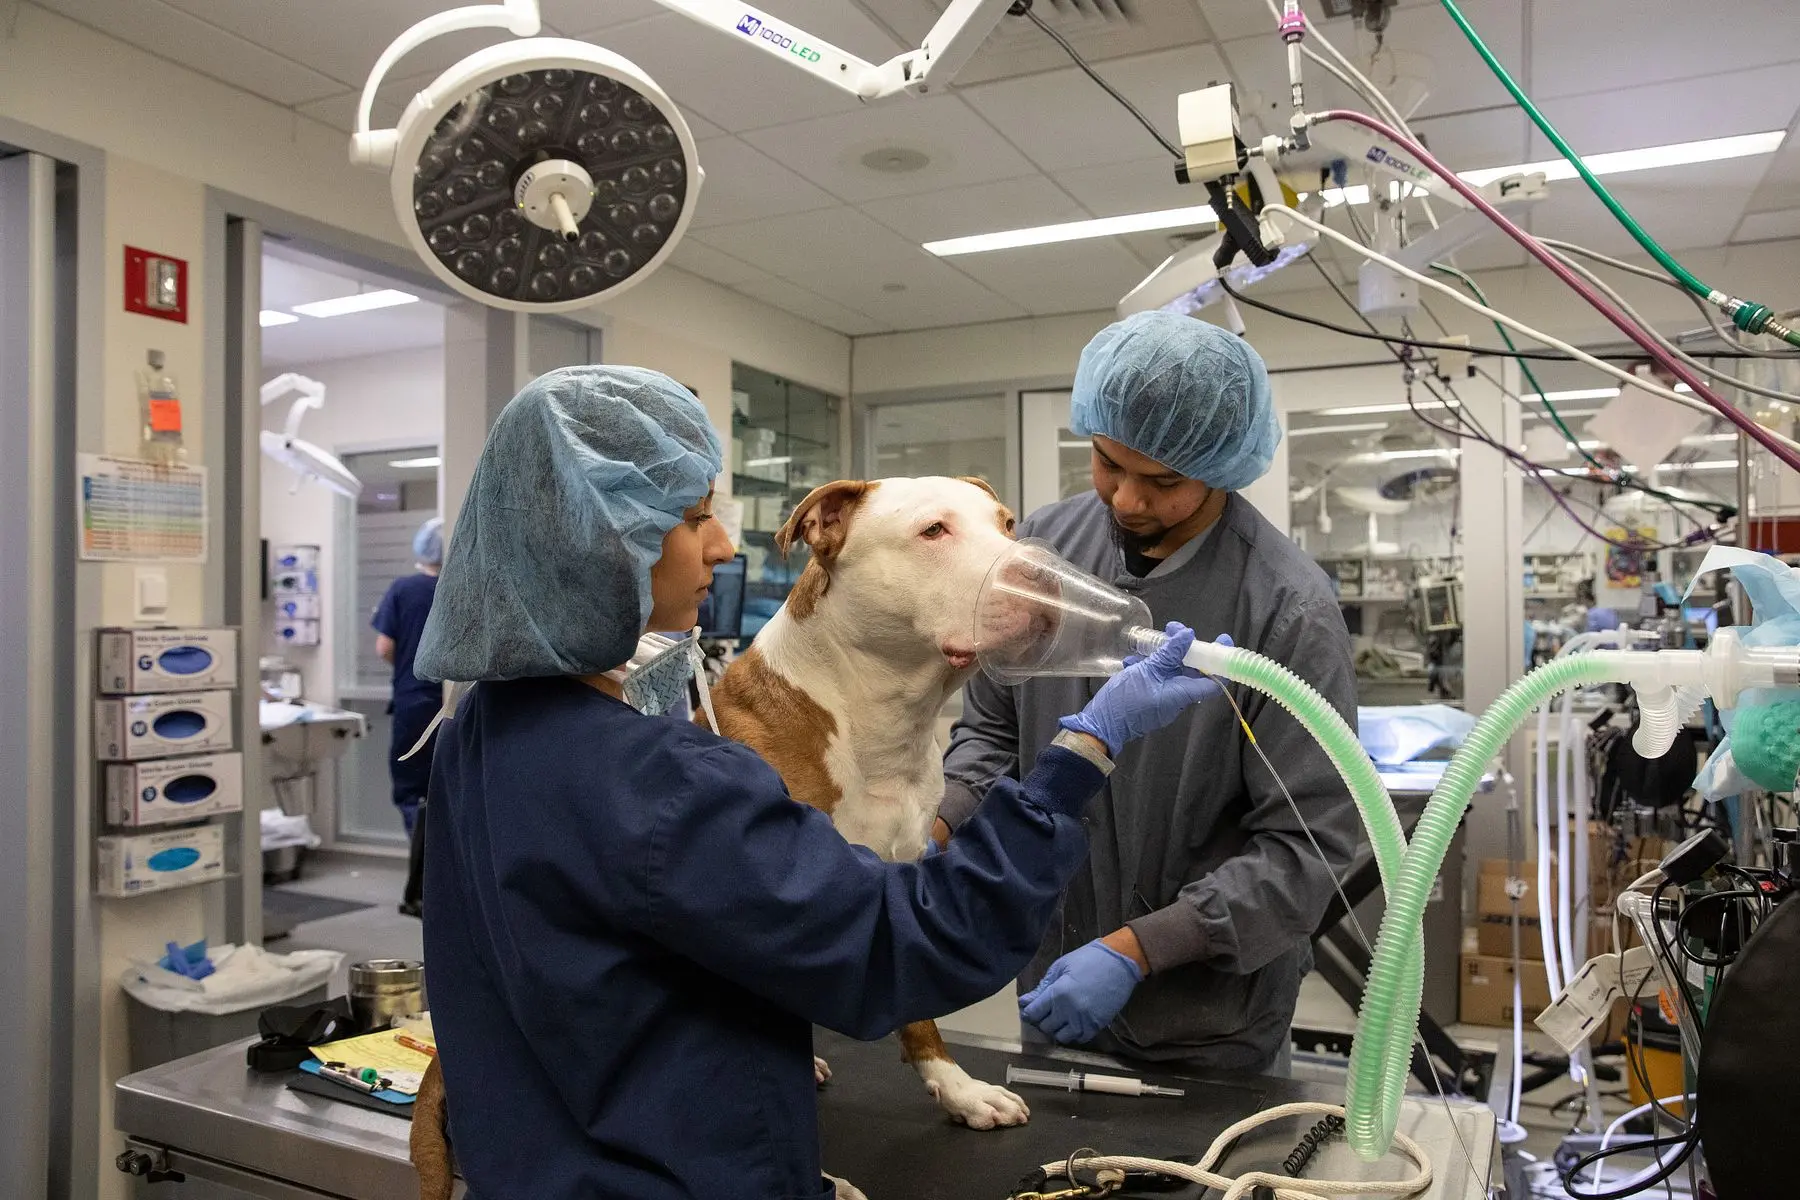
{"x":130,"y":728}
{"x":1494,"y":914}
{"x":1487,"y":990}
{"x":137,"y":661}
{"x":135,"y":863}
{"x":174,"y":789}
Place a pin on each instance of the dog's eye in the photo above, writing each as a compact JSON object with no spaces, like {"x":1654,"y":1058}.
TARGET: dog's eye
{"x":934,"y":530}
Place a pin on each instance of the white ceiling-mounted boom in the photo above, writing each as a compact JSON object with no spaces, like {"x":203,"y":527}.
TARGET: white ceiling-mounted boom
{"x":953,"y":40}
{"x":288,"y":448}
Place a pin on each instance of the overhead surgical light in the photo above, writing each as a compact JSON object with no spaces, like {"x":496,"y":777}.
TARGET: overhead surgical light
{"x":540,"y":175}
{"x":547,"y":174}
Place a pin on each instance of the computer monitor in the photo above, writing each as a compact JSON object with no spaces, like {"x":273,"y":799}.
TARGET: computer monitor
{"x":722,"y":612}
{"x":1702,"y":614}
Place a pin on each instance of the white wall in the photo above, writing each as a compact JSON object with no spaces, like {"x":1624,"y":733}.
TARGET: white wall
{"x":148,"y":208}
{"x":383,"y":401}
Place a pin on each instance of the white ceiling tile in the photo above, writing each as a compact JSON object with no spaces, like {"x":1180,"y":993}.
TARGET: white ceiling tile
{"x":1661,"y":113}
{"x":792,"y":298}
{"x":241,"y":61}
{"x":1066,"y":277}
{"x":1666,"y":42}
{"x":1684,"y":208}
{"x":840,"y":239}
{"x":962,"y":148}
{"x":959,"y":212}
{"x":1493,"y":137}
{"x":700,"y":259}
{"x":581,"y":18}
{"x":935,"y":296}
{"x":1230,"y":19}
{"x":733,"y":86}
{"x":291,"y":277}
{"x":1424,"y":65}
{"x":1062,"y":119}
{"x":1017,"y":47}
{"x":1142,"y":185}
{"x":391,"y":99}
{"x":1768,"y":226}
{"x":699,"y":126}
{"x":743,"y":184}
{"x":340,"y":38}
{"x":1780,"y":185}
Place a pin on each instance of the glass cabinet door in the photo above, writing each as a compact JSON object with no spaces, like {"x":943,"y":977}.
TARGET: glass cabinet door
{"x":785,"y":441}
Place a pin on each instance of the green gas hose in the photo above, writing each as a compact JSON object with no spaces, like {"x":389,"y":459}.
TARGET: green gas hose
{"x":1745,"y":314}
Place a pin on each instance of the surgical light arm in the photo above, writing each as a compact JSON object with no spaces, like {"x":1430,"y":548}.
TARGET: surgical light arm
{"x":953,"y":40}
{"x":375,"y":148}
{"x":312,"y":395}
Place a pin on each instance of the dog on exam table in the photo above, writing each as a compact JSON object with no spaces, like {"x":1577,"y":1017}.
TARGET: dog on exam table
{"x":840,"y":693}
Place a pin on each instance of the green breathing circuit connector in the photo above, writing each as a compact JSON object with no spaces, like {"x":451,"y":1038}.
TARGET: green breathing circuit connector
{"x":1754,"y":318}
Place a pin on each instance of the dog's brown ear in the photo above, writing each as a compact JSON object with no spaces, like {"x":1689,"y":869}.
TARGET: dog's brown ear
{"x":822,"y":520}
{"x":981,"y":483}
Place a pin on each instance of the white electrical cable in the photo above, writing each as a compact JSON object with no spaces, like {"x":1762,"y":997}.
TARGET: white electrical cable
{"x":1606,"y":1138}
{"x":1565,"y":942}
{"x":1512,"y":323}
{"x":1283,"y":1187}
{"x":1541,"y":810}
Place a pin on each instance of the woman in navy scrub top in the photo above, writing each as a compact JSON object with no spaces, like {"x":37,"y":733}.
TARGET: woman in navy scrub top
{"x":399,"y":623}
{"x":631,"y":929}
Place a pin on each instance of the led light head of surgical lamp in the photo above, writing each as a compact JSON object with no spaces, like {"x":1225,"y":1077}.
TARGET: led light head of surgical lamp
{"x":538,"y":175}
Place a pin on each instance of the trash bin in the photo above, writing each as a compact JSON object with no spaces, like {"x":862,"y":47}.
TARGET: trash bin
{"x":171,"y":1017}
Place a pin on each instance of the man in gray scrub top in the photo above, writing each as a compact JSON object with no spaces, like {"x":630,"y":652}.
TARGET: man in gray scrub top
{"x":1186,"y":938}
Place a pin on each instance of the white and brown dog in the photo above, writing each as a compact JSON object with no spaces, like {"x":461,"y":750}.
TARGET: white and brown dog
{"x":841,"y":690}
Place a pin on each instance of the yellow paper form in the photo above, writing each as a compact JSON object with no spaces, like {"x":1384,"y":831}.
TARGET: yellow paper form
{"x":381,"y":1050}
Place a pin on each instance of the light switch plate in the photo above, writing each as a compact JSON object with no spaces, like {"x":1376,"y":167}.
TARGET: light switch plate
{"x":151,"y":594}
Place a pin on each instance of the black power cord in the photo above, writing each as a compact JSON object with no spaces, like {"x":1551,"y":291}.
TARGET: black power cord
{"x":1022,"y":8}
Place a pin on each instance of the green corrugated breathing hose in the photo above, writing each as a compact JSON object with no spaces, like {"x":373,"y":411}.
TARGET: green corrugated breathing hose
{"x":1390,"y":1008}
{"x":1745,"y":314}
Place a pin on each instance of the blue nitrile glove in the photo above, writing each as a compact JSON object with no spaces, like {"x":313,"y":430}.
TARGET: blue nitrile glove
{"x":1081,"y":993}
{"x":1147,"y":695}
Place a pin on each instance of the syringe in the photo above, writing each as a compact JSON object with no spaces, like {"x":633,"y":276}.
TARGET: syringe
{"x":1081,"y":1081}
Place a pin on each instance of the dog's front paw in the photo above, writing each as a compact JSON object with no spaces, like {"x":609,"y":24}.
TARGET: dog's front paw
{"x":821,"y":1071}
{"x":971,"y":1102}
{"x":843,"y":1189}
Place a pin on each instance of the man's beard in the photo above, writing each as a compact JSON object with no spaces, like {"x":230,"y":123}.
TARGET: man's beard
{"x":1133,"y":542}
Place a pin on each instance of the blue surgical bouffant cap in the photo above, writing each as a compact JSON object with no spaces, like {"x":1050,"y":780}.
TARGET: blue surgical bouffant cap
{"x":428,"y":543}
{"x":1190,"y":395}
{"x":549,"y":566}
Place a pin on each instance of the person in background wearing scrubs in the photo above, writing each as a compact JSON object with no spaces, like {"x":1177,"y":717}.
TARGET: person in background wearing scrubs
{"x":1185,"y":937}
{"x":399,"y":623}
{"x":631,"y":928}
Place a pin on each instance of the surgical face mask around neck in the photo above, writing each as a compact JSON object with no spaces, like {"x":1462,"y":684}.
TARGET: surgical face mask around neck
{"x":654,"y":680}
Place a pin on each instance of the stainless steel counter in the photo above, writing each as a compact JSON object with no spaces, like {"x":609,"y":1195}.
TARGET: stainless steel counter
{"x":232,"y":1133}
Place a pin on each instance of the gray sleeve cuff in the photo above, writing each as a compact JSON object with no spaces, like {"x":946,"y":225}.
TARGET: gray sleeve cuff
{"x":1171,"y":936}
{"x":958,"y":805}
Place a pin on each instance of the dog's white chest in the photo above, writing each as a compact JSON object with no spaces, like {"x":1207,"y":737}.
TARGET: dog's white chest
{"x":888,"y":810}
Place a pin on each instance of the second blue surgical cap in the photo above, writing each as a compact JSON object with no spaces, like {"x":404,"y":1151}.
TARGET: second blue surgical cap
{"x":549,"y":565}
{"x":428,"y":543}
{"x":1190,"y":395}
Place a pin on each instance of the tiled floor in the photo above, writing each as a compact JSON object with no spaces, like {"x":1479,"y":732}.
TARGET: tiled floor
{"x":375,"y":932}
{"x":381,"y":932}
